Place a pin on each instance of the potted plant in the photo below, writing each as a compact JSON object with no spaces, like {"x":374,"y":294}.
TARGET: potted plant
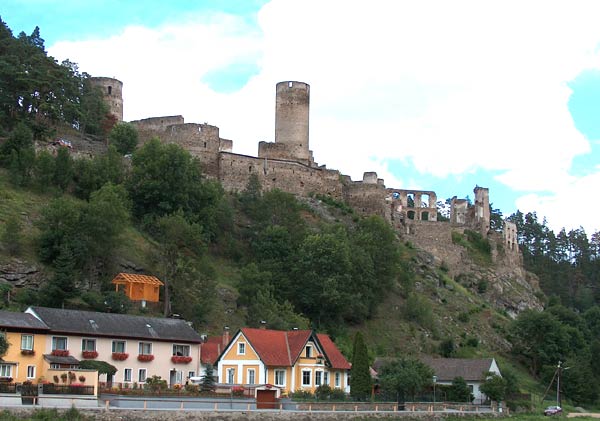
{"x":145,"y":358}
{"x":120,"y":356}
{"x":27,"y":352}
{"x":180,"y":359}
{"x":55,"y":378}
{"x":63,"y":377}
{"x":60,"y":352}
{"x":82,"y":379}
{"x":89,"y":355}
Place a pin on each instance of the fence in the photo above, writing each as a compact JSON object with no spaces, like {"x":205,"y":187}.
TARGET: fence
{"x":61,"y":389}
{"x":8,"y":387}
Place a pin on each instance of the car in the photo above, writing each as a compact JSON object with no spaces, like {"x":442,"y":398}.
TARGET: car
{"x":553,"y":410}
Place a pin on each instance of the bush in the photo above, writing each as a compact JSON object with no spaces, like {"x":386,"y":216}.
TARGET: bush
{"x":302,"y":395}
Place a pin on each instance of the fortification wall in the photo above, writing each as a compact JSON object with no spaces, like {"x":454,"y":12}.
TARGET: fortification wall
{"x":367,"y":198}
{"x":289,"y":176}
{"x":436,"y":238}
{"x":157,"y":123}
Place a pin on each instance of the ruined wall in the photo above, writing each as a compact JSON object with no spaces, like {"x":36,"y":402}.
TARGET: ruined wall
{"x":367,"y":197}
{"x":418,"y":205}
{"x":482,"y":209}
{"x":289,"y":176}
{"x":113,"y":94}
{"x":509,"y":234}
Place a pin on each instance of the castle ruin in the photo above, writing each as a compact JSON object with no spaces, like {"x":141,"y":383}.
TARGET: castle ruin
{"x":288,"y":164}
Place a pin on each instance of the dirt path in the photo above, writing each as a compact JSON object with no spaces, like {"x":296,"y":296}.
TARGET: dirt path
{"x":582,"y":414}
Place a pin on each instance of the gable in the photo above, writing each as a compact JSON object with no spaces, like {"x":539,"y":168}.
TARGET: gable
{"x":240,"y":349}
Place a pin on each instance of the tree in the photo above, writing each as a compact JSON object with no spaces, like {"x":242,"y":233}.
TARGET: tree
{"x":43,"y":171}
{"x":11,"y":237}
{"x":62,"y":285}
{"x":102,"y":367}
{"x":362,"y":384}
{"x":207,"y":382}
{"x":63,"y":169}
{"x":494,"y":387}
{"x":3,"y":345}
{"x":124,"y":137}
{"x":447,"y":348}
{"x":459,"y":391}
{"x":404,"y":378}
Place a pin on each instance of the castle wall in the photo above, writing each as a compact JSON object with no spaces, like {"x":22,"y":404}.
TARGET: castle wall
{"x":289,"y":176}
{"x":436,"y":238}
{"x":422,"y":207}
{"x":367,"y":198}
{"x":157,"y":123}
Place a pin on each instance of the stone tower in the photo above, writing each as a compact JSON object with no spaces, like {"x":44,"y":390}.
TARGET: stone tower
{"x":113,"y":94}
{"x":291,"y":118}
{"x":482,"y":209}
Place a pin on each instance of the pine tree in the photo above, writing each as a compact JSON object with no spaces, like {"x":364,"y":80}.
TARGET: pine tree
{"x":11,"y":237}
{"x":361,"y":385}
{"x":208,"y":380}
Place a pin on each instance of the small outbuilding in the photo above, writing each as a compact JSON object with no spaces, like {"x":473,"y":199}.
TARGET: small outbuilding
{"x":144,"y":288}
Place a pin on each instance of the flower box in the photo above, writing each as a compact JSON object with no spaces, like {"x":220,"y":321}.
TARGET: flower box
{"x":89,"y":355}
{"x":180,"y":359}
{"x":145,"y":358}
{"x":27,"y":352}
{"x":120,"y":356}
{"x":60,"y":352}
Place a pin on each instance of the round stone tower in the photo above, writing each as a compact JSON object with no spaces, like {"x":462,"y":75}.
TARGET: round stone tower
{"x":113,"y":94}
{"x":291,"y":118}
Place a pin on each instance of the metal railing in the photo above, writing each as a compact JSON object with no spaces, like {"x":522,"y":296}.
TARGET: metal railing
{"x":61,"y":389}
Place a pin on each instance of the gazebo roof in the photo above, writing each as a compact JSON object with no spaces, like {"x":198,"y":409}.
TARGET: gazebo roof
{"x":136,"y":279}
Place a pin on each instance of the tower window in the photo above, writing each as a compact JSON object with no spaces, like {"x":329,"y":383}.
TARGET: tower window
{"x":289,"y":84}
{"x":110,"y":90}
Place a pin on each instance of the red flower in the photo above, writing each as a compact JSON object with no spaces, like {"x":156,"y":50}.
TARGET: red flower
{"x":145,"y":357}
{"x":179,"y":359}
{"x":89,"y":355}
{"x":60,"y":352}
{"x":120,"y":356}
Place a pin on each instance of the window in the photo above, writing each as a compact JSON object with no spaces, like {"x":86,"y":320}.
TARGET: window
{"x":308,"y":351}
{"x":142,"y":375}
{"x":326,"y":378}
{"x":5,"y":370}
{"x":59,"y":343}
{"x":241,"y":348}
{"x":54,"y":366}
{"x":88,"y":344}
{"x":231,"y":375}
{"x":27,"y":342}
{"x":127,"y":375}
{"x":337,"y":379}
{"x":118,"y":346}
{"x":145,"y":348}
{"x":179,"y":377}
{"x":279,"y":377}
{"x":191,"y":374}
{"x":31,"y":371}
{"x":305,"y":377}
{"x":318,"y":378}
{"x":250,"y":376}
{"x":181,"y":350}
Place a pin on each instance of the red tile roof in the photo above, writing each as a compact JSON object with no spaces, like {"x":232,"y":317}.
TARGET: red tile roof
{"x":137,"y":279}
{"x":333,"y":354}
{"x":281,"y":348}
{"x":210,"y":350}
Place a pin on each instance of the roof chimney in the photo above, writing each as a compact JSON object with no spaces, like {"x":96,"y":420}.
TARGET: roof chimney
{"x":263,"y":324}
{"x":225,"y":336}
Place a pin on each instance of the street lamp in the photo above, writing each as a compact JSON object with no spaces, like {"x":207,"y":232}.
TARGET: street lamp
{"x":434,"y":382}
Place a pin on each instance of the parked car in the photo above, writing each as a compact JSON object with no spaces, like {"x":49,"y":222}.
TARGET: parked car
{"x":553,"y":410}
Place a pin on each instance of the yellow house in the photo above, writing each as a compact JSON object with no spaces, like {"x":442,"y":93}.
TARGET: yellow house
{"x":288,"y":360}
{"x":26,"y":336}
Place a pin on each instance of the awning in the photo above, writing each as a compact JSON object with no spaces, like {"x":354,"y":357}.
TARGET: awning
{"x":54,"y":359}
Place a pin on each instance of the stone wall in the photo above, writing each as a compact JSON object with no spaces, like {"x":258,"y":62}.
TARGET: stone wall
{"x":367,"y":198}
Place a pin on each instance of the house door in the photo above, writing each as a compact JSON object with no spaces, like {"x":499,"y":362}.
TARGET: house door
{"x":265,"y":399}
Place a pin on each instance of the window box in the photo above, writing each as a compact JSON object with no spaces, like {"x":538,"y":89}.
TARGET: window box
{"x":27,"y":352}
{"x":180,"y":359}
{"x":145,"y":358}
{"x":89,"y":355}
{"x":120,"y":356}
{"x":60,"y":352}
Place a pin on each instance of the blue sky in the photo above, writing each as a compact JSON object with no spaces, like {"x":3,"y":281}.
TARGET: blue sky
{"x":432,"y":96}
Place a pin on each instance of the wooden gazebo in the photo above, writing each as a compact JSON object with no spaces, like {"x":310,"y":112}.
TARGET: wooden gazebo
{"x":144,"y":288}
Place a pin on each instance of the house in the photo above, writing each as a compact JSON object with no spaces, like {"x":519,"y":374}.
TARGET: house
{"x":210,"y":350}
{"x":139,"y":347}
{"x":287,"y":361}
{"x":26,"y":337}
{"x":473,"y":371}
{"x":142,"y":288}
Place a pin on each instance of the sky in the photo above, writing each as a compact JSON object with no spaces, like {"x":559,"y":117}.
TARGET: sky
{"x":432,"y":95}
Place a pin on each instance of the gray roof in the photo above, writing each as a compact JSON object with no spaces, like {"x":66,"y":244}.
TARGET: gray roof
{"x":447,"y":369}
{"x":55,"y":359}
{"x":90,"y":323}
{"x":9,"y":319}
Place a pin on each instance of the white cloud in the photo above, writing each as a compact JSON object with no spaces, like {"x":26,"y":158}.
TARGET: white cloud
{"x":451,"y":86}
